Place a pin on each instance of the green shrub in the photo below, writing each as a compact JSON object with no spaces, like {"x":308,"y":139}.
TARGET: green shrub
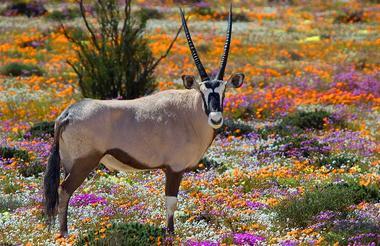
{"x":20,"y":69}
{"x":299,"y":121}
{"x":305,"y":120}
{"x":31,"y":169}
{"x":23,"y":7}
{"x":149,"y":13}
{"x":11,"y":152}
{"x":114,"y":62}
{"x":299,"y":211}
{"x":236,"y":17}
{"x":202,"y":10}
{"x":125,"y":234}
{"x":342,"y":160}
{"x":42,"y":129}
{"x":65,"y":14}
{"x":240,"y":17}
{"x":76,"y":33}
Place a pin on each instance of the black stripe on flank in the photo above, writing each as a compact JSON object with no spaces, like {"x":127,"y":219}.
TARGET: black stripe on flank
{"x":128,"y":160}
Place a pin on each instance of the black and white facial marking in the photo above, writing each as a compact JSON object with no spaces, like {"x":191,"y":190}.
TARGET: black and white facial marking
{"x":212,"y":90}
{"x":213,"y":95}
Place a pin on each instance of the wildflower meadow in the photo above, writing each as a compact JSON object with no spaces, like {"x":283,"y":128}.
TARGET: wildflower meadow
{"x":295,"y":163}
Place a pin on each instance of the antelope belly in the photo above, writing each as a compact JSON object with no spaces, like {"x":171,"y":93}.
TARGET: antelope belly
{"x":113,"y":164}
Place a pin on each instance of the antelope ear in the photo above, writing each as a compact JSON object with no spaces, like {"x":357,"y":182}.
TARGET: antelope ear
{"x":189,"y":82}
{"x":236,"y":80}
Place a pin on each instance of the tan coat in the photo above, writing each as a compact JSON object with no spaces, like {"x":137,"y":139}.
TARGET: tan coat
{"x":165,"y":129}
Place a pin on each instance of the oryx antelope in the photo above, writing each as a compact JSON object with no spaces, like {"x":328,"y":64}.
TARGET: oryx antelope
{"x":169,"y":130}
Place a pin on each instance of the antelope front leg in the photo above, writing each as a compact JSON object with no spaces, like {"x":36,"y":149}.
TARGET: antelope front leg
{"x":173,"y":181}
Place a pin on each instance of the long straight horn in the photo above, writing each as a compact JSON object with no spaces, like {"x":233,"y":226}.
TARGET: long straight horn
{"x":198,"y":63}
{"x":223,"y":62}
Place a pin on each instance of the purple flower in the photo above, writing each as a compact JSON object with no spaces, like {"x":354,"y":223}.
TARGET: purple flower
{"x":349,"y":141}
{"x":325,"y":215}
{"x":107,"y":211}
{"x":203,"y":243}
{"x":369,"y":237}
{"x":289,"y":243}
{"x":359,"y":83}
{"x":255,"y":205}
{"x":246,"y":239}
{"x":82,"y":200}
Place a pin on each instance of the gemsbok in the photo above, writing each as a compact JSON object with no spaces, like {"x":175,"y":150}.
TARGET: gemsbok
{"x":170,"y":130}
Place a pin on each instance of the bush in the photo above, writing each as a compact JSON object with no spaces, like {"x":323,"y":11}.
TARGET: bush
{"x":125,"y":234}
{"x":305,"y":120}
{"x":10,"y":152}
{"x":344,"y":160}
{"x":42,"y":129}
{"x":296,"y":123}
{"x":114,"y":62}
{"x":149,"y":13}
{"x":65,"y":14}
{"x":31,"y":9}
{"x":20,"y":69}
{"x":349,"y":16}
{"x":298,"y":212}
{"x":202,"y":10}
{"x":236,"y":17}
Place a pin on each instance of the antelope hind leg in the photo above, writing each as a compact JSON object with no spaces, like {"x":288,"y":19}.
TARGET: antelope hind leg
{"x":74,"y":178}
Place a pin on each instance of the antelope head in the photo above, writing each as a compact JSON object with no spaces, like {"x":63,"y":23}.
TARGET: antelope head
{"x":211,"y":89}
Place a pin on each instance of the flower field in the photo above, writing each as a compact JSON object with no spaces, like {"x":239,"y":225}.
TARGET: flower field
{"x":296,"y":163}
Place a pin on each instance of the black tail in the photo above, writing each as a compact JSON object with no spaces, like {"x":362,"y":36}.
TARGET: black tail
{"x":51,"y":183}
{"x":52,"y":177}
